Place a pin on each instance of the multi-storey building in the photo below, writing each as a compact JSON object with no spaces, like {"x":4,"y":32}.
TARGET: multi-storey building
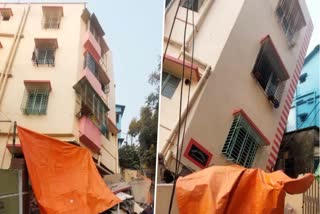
{"x":299,"y":151}
{"x":57,"y":79}
{"x":119,"y":115}
{"x":247,"y":58}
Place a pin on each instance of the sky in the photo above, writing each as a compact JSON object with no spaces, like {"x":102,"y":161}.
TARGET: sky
{"x":134,"y":34}
{"x":314,"y":8}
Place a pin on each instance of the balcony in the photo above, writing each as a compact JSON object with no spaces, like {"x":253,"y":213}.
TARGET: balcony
{"x":94,"y":82}
{"x":98,"y":77}
{"x":89,"y":134}
{"x":92,"y":45}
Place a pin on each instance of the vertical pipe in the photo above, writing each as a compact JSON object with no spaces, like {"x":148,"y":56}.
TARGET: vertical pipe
{"x":14,"y":138}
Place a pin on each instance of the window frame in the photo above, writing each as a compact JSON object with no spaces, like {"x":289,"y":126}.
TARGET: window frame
{"x":272,"y":80}
{"x":186,"y":154}
{"x":165,"y":82}
{"x":288,"y":20}
{"x":241,"y":122}
{"x":36,"y":99}
{"x":194,"y":5}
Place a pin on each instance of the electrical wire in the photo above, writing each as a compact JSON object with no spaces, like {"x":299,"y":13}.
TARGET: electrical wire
{"x":169,"y":38}
{"x":180,"y":107}
{"x":189,"y":89}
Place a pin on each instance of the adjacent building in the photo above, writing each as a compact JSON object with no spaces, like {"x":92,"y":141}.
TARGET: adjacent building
{"x":246,"y":64}
{"x":300,"y":147}
{"x":57,"y":79}
{"x":119,"y":115}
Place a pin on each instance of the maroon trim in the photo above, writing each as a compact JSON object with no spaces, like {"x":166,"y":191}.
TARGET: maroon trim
{"x":273,"y":156}
{"x":271,"y":162}
{"x":26,"y":82}
{"x":1,"y":45}
{"x":275,"y":149}
{"x":186,"y":153}
{"x":269,"y":168}
{"x":276,"y":143}
{"x":241,"y":111}
{"x":277,"y":53}
{"x":186,"y":64}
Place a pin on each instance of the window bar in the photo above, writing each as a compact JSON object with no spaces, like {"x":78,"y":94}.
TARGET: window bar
{"x":244,"y":141}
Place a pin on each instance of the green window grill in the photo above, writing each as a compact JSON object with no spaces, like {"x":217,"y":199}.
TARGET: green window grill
{"x":36,"y":100}
{"x":242,"y":142}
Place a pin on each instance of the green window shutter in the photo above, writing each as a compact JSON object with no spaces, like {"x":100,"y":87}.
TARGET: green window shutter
{"x":37,"y":100}
{"x":242,"y":142}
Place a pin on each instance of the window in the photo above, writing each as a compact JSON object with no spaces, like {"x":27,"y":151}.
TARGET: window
{"x":90,"y":63}
{"x":168,"y":3}
{"x":303,"y":77}
{"x":197,"y":154}
{"x":36,"y":97}
{"x":52,"y":22}
{"x":291,"y":18}
{"x":169,"y":84}
{"x":6,"y":14}
{"x":242,"y":141}
{"x":44,"y":53}
{"x":92,"y":105}
{"x":52,"y":17}
{"x":270,"y":72}
{"x":192,"y":4}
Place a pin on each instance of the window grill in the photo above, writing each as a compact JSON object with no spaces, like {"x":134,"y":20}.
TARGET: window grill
{"x":270,"y":72}
{"x":291,"y":18}
{"x":242,"y":142}
{"x":43,"y":56}
{"x":51,"y":22}
{"x":35,"y":100}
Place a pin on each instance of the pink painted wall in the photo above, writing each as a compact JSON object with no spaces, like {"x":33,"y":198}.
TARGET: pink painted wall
{"x":89,"y":134}
{"x":91,"y":44}
{"x":92,"y":80}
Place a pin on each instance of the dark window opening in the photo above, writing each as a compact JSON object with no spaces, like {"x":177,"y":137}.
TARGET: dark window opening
{"x":198,"y":155}
{"x":6,"y":18}
{"x":194,"y":5}
{"x":303,"y":116}
{"x":270,"y":73}
{"x":303,"y":77}
{"x":290,"y":17}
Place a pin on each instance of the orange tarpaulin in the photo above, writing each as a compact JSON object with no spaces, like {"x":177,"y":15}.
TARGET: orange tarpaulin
{"x":64,"y":177}
{"x":234,"y":189}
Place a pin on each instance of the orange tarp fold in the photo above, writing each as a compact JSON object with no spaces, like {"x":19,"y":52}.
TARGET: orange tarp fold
{"x":234,"y":189}
{"x":64,"y":177}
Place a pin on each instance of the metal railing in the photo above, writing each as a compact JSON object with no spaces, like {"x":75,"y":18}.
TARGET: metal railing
{"x":311,"y":199}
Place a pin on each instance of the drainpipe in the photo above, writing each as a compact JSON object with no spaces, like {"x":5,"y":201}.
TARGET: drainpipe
{"x":11,"y":49}
{"x":11,"y":57}
{"x":194,"y":97}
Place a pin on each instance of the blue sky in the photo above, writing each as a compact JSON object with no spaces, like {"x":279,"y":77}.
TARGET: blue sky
{"x":314,"y":8}
{"x":134,"y":34}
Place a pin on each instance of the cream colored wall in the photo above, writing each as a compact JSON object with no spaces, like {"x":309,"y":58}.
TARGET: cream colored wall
{"x":229,"y":42}
{"x":60,"y":121}
{"x":112,"y":112}
{"x":62,"y":76}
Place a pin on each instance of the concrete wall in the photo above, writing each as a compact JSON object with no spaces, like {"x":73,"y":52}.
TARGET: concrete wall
{"x":60,"y":121}
{"x":229,"y":42}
